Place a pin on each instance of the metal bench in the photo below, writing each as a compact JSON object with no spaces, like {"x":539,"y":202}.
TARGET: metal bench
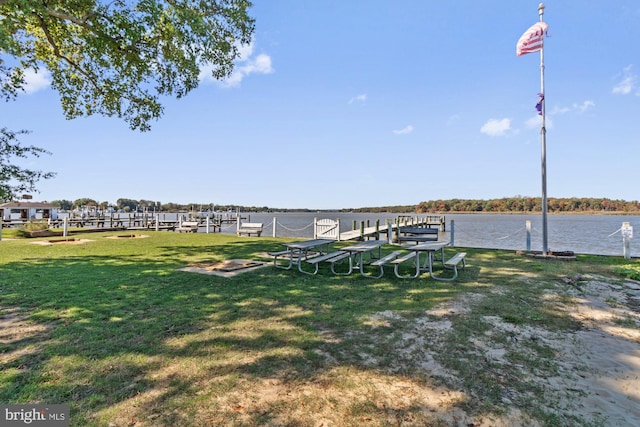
{"x":250,"y":229}
{"x":331,"y":257}
{"x":396,"y":264}
{"x":278,"y":254}
{"x":385,"y":261}
{"x":452,"y":264}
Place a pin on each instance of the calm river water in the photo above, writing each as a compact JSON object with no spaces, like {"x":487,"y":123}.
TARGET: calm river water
{"x":586,"y":234}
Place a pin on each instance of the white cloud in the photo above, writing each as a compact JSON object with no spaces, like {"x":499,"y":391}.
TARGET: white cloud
{"x":452,"y":120}
{"x":359,"y":98}
{"x":559,"y":110}
{"x":586,"y":105}
{"x":36,"y":81}
{"x":404,"y":131}
{"x":533,"y":122}
{"x":495,"y":127}
{"x":628,"y":82}
{"x":245,"y":51}
{"x":575,"y":107}
{"x":536,"y":122}
{"x":245,"y":65}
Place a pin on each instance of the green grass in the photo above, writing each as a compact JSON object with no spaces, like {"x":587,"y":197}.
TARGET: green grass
{"x":114,"y":329}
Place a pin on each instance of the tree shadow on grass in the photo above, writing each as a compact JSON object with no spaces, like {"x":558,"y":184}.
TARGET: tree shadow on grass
{"x":121,"y":328}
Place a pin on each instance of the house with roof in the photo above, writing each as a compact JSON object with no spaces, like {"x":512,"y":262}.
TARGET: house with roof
{"x":24,"y":211}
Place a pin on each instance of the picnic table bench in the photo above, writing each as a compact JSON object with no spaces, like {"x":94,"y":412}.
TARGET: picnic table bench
{"x":385,"y":261}
{"x":331,"y":257}
{"x":250,"y":228}
{"x":453,"y":262}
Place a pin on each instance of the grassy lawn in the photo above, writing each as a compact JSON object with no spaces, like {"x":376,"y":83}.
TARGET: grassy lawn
{"x":113,"y":328}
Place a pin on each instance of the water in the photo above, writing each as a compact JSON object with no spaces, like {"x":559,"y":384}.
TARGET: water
{"x":583,"y":234}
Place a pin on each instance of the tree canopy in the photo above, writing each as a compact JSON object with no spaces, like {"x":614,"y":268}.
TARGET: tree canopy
{"x":119,"y":57}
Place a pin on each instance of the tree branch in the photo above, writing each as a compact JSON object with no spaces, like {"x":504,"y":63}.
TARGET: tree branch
{"x":58,"y":54}
{"x":66,"y":17}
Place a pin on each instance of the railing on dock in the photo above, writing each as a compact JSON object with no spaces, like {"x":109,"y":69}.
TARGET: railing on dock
{"x":327,"y":228}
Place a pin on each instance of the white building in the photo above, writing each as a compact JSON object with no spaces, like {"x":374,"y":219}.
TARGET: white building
{"x":24,"y":211}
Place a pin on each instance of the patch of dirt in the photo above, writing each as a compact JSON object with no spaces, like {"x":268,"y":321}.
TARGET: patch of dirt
{"x":229,"y":265}
{"x":65,"y":241}
{"x":226,"y":268}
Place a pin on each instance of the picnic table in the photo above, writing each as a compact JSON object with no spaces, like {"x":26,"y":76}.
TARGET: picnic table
{"x":430,"y":249}
{"x":358,"y":251}
{"x":296,"y":252}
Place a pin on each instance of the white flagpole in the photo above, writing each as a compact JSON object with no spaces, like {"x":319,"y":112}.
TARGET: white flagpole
{"x":543,"y":134}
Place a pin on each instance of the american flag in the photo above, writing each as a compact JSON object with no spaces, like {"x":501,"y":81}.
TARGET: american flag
{"x":532,"y":39}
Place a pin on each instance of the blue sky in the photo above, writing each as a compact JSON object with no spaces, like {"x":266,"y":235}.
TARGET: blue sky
{"x":346,"y":104}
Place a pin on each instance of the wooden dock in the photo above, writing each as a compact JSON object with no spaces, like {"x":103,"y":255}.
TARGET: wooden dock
{"x":379,"y":229}
{"x":149,"y":222}
{"x":367,"y":231}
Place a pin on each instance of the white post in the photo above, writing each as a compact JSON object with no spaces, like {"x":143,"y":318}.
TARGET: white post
{"x":627,"y":235}
{"x":389,"y":231}
{"x":528,"y":227}
{"x":65,"y":226}
{"x":207,"y":227}
{"x":157,"y":222}
{"x":338,"y":229}
{"x":237,"y":223}
{"x":275,"y":221}
{"x":452,"y":232}
{"x":0,"y":227}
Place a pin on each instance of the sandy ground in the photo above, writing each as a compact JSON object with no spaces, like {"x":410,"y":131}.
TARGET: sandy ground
{"x":605,"y":356}
{"x":599,"y":365}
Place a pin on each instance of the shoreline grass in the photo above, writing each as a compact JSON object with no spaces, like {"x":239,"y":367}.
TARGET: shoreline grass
{"x":114,"y":329}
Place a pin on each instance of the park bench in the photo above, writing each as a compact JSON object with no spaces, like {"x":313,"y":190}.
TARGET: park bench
{"x":250,"y":229}
{"x":417,"y":234}
{"x":188,"y":227}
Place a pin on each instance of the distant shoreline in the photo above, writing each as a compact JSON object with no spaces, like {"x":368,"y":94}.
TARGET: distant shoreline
{"x":616,"y":213}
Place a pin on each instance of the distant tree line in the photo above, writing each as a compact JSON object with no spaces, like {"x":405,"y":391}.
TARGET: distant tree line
{"x":529,"y":204}
{"x":518,"y":204}
{"x":142,"y":205}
